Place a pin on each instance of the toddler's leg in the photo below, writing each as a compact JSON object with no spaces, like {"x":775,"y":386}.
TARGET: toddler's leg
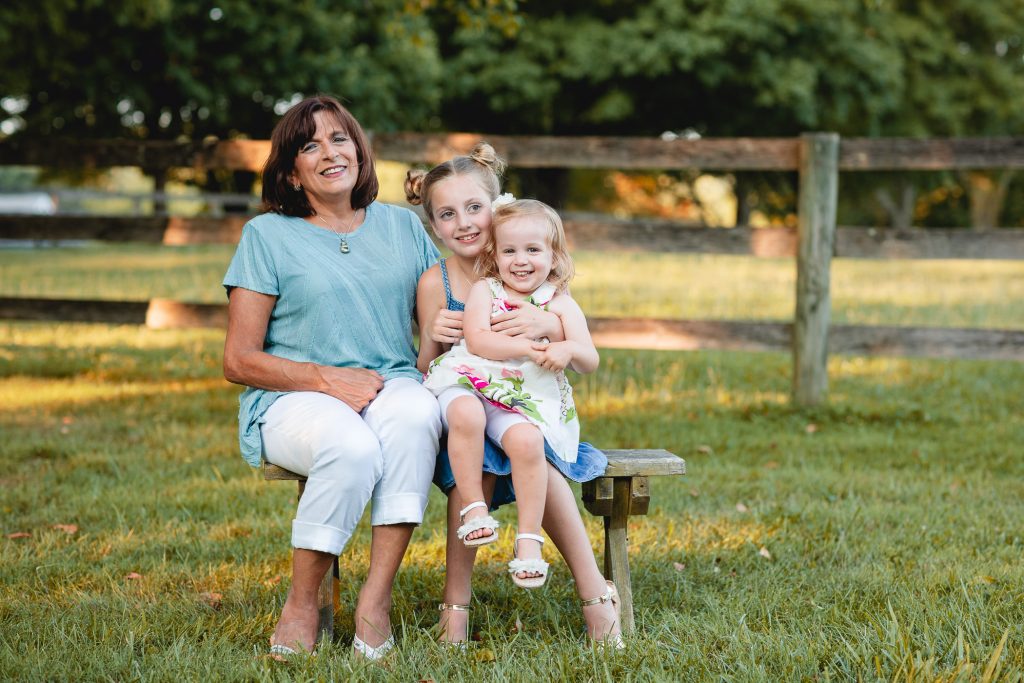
{"x":464,"y":418}
{"x":523,"y":443}
{"x":565,"y":527}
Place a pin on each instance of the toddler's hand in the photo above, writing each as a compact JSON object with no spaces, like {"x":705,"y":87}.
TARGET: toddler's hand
{"x":555,"y":356}
{"x":447,"y":328}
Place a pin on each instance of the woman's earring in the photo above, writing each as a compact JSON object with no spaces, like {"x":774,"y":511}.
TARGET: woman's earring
{"x":297,"y":187}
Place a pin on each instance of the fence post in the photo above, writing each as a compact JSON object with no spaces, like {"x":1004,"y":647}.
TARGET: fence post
{"x":819,"y":186}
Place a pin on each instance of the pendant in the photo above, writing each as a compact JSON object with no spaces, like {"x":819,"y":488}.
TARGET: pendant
{"x":343,"y":247}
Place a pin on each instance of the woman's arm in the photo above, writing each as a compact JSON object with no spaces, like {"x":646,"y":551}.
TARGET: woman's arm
{"x":245,"y":361}
{"x":430,"y":302}
{"x":578,"y":349}
{"x":476,"y":325}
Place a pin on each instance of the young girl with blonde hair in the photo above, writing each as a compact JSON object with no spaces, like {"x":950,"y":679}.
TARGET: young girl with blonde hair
{"x":503,"y":379}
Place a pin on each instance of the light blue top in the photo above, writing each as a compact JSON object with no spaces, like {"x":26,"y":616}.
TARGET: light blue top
{"x":347,"y":310}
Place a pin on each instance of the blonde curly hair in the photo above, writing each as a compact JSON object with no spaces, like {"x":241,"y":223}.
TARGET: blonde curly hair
{"x":562,"y":269}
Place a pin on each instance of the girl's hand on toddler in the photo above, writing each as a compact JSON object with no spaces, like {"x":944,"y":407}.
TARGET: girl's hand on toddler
{"x":356,"y":387}
{"x":447,"y":327}
{"x":527,"y":320}
{"x":554,"y":356}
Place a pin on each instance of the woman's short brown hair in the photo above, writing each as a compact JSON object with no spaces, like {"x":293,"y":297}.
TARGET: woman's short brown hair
{"x":294,"y":130}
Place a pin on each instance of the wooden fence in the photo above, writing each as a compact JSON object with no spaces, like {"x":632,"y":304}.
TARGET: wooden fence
{"x":816,"y":157}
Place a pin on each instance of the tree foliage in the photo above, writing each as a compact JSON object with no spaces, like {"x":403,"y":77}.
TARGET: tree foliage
{"x":164,"y":68}
{"x":161,"y":68}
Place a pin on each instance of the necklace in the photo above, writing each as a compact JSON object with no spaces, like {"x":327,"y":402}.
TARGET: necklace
{"x":343,"y":246}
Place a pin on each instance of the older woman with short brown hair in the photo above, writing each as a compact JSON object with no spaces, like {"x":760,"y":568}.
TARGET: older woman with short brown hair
{"x":321,"y":296}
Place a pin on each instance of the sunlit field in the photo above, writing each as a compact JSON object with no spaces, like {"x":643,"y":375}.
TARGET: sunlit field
{"x":608,"y":284}
{"x":876,"y":538}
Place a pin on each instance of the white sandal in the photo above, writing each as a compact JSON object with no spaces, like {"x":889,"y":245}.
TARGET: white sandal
{"x":611,"y":594}
{"x":485,"y":522}
{"x":369,"y":651}
{"x":537,"y":565}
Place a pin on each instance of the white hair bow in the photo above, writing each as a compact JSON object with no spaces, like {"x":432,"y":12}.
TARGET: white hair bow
{"x":502,"y":200}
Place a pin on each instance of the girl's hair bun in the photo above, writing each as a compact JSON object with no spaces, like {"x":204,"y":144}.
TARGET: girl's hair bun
{"x":483,"y":154}
{"x":414,"y":186}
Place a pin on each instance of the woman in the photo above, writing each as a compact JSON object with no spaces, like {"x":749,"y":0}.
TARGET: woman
{"x":321,"y":296}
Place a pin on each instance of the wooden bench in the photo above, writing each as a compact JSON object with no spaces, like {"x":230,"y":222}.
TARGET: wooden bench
{"x":624,"y":490}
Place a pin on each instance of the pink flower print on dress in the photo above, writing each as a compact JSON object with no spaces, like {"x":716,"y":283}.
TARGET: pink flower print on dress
{"x":514,"y":374}
{"x":478,"y":383}
{"x":499,"y":306}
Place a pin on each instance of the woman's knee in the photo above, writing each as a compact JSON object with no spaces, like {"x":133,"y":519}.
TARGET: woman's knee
{"x":523,"y":442}
{"x":346,"y":454}
{"x":466,"y":414}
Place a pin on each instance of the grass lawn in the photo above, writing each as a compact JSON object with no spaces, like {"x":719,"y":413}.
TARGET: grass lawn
{"x":694,"y":286}
{"x":879,"y":538}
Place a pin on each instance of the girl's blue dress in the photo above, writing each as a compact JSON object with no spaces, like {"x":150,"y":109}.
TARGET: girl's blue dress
{"x":590,"y":462}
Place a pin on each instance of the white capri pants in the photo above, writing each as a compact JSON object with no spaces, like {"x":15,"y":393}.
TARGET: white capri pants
{"x":385,"y":454}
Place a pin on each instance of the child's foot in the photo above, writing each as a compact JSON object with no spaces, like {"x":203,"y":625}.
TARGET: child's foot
{"x":453,"y":624}
{"x":602,"y":615}
{"x":478,"y":527}
{"x":528,"y":569}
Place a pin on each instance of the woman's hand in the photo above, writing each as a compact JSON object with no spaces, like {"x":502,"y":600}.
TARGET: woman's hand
{"x":554,"y":357}
{"x":356,"y":387}
{"x":447,"y":327}
{"x":527,"y":320}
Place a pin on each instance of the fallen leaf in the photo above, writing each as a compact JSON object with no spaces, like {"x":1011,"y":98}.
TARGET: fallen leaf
{"x":811,"y":428}
{"x":694,"y":492}
{"x":485,"y":654}
{"x":771,"y":465}
{"x":765,"y":553}
{"x":133,"y":576}
{"x":705,"y":449}
{"x":740,"y":507}
{"x":66,"y":528}
{"x":212,"y":599}
{"x":19,"y":534}
{"x":272,"y":581}
{"x":518,"y":626}
{"x":679,"y":566}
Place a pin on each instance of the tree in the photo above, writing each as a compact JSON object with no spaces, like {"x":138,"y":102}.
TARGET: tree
{"x":160,"y":69}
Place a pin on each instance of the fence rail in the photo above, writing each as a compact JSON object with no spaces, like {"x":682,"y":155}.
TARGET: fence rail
{"x":737,"y":154}
{"x":817,"y":157}
{"x":624,"y":333}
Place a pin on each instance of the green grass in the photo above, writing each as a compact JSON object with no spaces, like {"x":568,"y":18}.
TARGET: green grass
{"x":929,"y":293}
{"x":892,"y":519}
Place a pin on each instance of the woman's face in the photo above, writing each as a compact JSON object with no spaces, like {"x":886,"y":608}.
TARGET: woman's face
{"x":327,"y":166}
{"x":461,"y":214}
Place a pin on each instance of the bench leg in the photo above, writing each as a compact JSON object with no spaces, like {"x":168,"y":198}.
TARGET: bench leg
{"x":616,"y":556}
{"x":327,"y":596}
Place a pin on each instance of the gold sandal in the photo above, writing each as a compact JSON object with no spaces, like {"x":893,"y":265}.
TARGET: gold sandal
{"x":450,"y":606}
{"x":611,"y":594}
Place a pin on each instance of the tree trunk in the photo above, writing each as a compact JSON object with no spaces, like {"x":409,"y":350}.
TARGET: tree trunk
{"x":901,"y":216}
{"x":987,"y":192}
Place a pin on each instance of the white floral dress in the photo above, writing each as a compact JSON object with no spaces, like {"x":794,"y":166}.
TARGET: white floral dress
{"x":519,"y":385}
